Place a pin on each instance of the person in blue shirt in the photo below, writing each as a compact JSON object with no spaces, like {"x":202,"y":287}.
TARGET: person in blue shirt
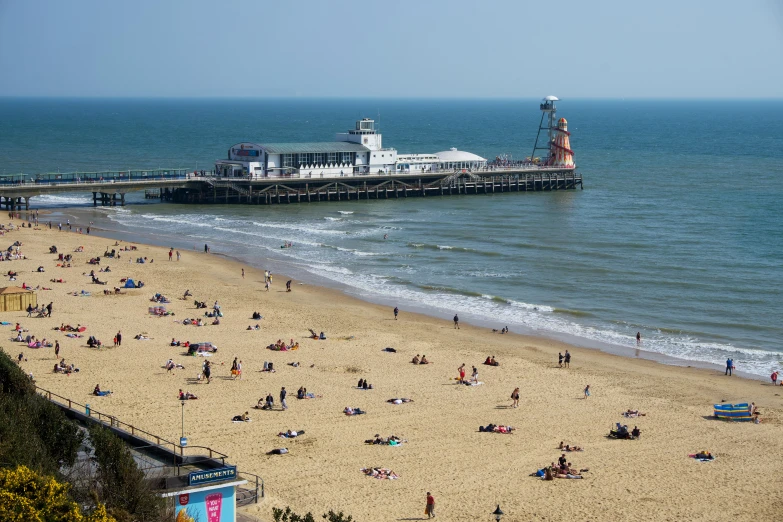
{"x":729,"y":366}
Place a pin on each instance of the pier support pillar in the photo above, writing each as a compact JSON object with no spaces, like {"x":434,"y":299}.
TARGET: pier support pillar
{"x":27,"y":202}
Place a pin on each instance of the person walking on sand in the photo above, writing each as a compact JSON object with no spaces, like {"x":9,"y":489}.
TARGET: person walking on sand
{"x":243,"y":273}
{"x":515,"y":398}
{"x":119,"y":338}
{"x":178,"y":255}
{"x":461,"y":371}
{"x":283,"y":402}
{"x":729,"y":366}
{"x":429,"y":510}
{"x":57,"y":349}
{"x":171,"y":253}
{"x":396,"y":312}
{"x":567,"y":359}
{"x":456,"y":322}
{"x":560,"y":359}
{"x":208,"y":371}
{"x":638,"y":338}
{"x":206,"y":248}
{"x":587,"y":391}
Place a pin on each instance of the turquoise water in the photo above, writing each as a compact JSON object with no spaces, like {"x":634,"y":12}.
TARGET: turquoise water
{"x":676,"y":235}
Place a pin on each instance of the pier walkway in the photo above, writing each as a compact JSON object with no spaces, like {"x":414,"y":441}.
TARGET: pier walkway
{"x":191,"y":186}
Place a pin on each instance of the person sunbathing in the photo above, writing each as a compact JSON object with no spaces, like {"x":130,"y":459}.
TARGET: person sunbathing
{"x":241,"y":418}
{"x":290,"y":434}
{"x":277,"y":451}
{"x":416,"y":359}
{"x":399,"y":401}
{"x":353,"y":411}
{"x":186,"y":396}
{"x":703,"y":455}
{"x":424,"y":360}
{"x":98,"y":392}
{"x":256,"y":316}
{"x":633,"y":413}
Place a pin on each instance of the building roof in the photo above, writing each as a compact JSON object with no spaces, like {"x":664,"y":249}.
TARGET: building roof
{"x":315,"y":147}
{"x":455,"y":155}
{"x":14,"y":290}
{"x":551,"y":98}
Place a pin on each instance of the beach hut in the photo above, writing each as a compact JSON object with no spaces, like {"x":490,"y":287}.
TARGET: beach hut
{"x":733,"y":412}
{"x":16,"y":299}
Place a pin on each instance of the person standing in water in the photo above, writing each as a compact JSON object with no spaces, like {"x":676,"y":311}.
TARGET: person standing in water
{"x":638,"y":338}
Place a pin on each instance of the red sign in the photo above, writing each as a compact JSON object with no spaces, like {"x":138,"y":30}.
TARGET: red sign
{"x":214,"y":502}
{"x":184,"y":499}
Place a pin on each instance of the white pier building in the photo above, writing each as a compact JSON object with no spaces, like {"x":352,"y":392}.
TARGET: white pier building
{"x":356,"y":152}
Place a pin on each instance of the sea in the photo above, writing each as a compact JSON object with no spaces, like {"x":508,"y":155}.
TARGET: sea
{"x":677,"y":234}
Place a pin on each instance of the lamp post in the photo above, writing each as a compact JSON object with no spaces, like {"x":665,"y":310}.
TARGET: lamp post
{"x":498,"y":513}
{"x":182,"y":440}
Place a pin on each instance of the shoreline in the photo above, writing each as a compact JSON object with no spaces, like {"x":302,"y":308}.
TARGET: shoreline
{"x":445,"y":452}
{"x":283,"y":268}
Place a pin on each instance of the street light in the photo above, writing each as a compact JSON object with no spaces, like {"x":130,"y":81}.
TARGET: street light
{"x":182,"y":440}
{"x":498,"y":513}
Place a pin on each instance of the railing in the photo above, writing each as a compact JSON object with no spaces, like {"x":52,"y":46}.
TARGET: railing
{"x":114,"y":422}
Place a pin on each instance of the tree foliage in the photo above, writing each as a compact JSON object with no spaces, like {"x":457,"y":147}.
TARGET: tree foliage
{"x":121,"y":484}
{"x":280,"y":515}
{"x":33,"y":431}
{"x":26,"y":496}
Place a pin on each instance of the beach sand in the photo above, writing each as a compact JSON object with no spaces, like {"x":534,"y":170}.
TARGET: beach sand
{"x":467,"y":472}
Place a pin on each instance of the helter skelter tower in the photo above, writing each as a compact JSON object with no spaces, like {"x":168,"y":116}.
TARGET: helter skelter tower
{"x":558,"y":147}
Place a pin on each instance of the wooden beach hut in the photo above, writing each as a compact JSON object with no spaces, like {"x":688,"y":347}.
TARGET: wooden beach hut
{"x":16,"y":299}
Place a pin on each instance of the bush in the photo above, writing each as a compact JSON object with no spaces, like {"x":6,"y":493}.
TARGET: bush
{"x":289,"y":516}
{"x":33,"y":431}
{"x":27,"y":496}
{"x":12,"y":378}
{"x":121,"y":484}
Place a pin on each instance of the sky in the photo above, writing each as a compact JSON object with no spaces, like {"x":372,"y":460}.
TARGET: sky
{"x":391,"y":49}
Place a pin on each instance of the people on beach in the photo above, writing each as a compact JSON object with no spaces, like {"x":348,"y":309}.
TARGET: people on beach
{"x":429,"y":509}
{"x":729,"y":366}
{"x":560,"y":359}
{"x":396,"y":312}
{"x":424,"y":360}
{"x":774,"y":378}
{"x":461,"y":371}
{"x":415,"y":359}
{"x":474,"y":376}
{"x":100,"y":393}
{"x":456,"y":322}
{"x":283,"y":402}
{"x":587,"y":391}
{"x":515,"y":398}
{"x":567,"y":359}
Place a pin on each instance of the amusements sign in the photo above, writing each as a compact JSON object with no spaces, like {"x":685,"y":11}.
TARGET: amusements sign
{"x":196,"y":478}
{"x":216,"y":505}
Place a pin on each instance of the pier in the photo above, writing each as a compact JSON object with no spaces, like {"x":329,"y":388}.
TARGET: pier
{"x":354,"y":166}
{"x":183,"y":186}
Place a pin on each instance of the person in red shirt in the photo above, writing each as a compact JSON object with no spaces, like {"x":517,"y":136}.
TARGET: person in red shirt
{"x":774,"y":377}
{"x":430,"y":509}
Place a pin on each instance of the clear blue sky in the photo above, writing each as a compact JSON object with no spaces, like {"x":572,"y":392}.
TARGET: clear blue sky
{"x":375,"y":48}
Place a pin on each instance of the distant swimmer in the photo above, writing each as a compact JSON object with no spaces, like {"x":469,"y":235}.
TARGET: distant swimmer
{"x":386,"y":236}
{"x":638,"y":338}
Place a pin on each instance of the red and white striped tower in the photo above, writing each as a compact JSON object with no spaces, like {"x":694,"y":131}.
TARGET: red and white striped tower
{"x":560,"y":149}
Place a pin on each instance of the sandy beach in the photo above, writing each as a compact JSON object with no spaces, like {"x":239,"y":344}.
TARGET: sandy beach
{"x":468,"y":472}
